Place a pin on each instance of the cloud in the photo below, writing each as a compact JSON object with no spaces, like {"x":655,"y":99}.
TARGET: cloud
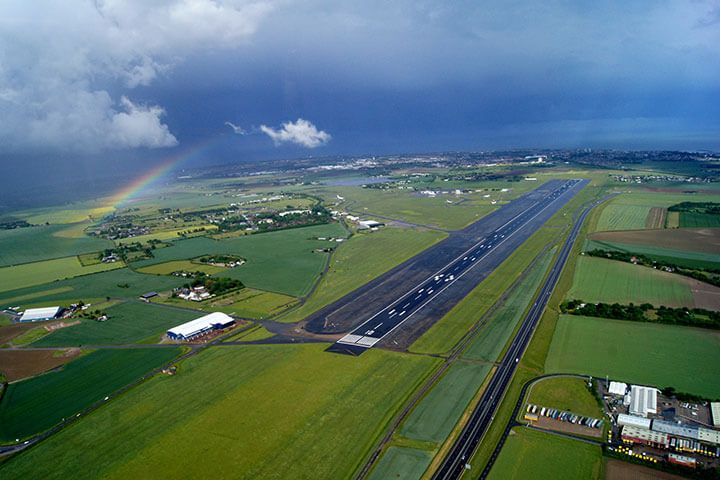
{"x":301,"y":133}
{"x":67,"y":70}
{"x":236,"y":129}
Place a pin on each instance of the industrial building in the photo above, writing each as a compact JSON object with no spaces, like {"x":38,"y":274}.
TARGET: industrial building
{"x":715,"y":413}
{"x":200,"y":326}
{"x":643,"y":400}
{"x":624,"y":419}
{"x":617,"y":388}
{"x":676,"y":429}
{"x":39,"y":314}
{"x":645,"y":436}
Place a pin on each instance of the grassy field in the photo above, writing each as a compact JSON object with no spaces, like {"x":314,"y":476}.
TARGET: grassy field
{"x":33,"y":244}
{"x":531,"y":454}
{"x":261,"y":411}
{"x":623,"y":217}
{"x":180,"y":265}
{"x":565,"y":393}
{"x":492,"y":337}
{"x":699,"y":220}
{"x":609,"y":281}
{"x":362,"y":258}
{"x":257,"y":332}
{"x":37,"y":273}
{"x":282,"y":261}
{"x":661,"y":355}
{"x":401,"y":463}
{"x":127,"y":323}
{"x":437,"y":413}
{"x":247,"y":303}
{"x":34,"y":405}
{"x":121,"y":283}
{"x":677,"y":257}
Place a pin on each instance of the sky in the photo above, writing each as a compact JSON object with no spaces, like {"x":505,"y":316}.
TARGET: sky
{"x":109,"y":85}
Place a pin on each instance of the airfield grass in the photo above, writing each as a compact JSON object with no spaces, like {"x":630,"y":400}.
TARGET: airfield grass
{"x":681,"y":258}
{"x":437,"y":413}
{"x":603,"y":280}
{"x":362,"y":258}
{"x":31,"y":244}
{"x":180,"y":265}
{"x":172,"y":234}
{"x":532,"y":454}
{"x":253,"y":334}
{"x":493,"y":336}
{"x":623,"y":217}
{"x":258,"y":411}
{"x":246,"y":303}
{"x":565,"y":393}
{"x":699,"y":220}
{"x":35,"y":405}
{"x":283,"y":261}
{"x":37,"y":273}
{"x":661,"y":355}
{"x":401,"y":463}
{"x":127,"y":323}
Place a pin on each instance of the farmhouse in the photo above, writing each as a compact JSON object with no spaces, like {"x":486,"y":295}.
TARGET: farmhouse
{"x":200,"y":326}
{"x":38,"y":314}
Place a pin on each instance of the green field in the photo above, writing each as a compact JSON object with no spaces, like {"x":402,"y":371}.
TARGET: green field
{"x":699,"y":220}
{"x":253,"y":334}
{"x":362,"y":258}
{"x":677,"y":257}
{"x":531,"y":454}
{"x":492,"y":337}
{"x":565,"y":393}
{"x":180,"y":265}
{"x":258,"y":411}
{"x":246,"y":303}
{"x":34,"y":405}
{"x":32,"y":244}
{"x":37,"y":273}
{"x":98,"y":285}
{"x":127,"y":323}
{"x":437,"y":413}
{"x":282,"y":261}
{"x":610,"y":281}
{"x":661,"y":355}
{"x":401,"y":463}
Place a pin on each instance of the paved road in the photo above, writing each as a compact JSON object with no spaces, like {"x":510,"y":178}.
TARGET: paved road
{"x":443,"y":288}
{"x":455,"y":463}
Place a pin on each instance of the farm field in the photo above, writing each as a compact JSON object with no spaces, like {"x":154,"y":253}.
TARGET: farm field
{"x":401,"y":463}
{"x":638,"y":353}
{"x":610,"y":281}
{"x":493,"y":336}
{"x":180,"y":265}
{"x":34,"y":405}
{"x":32,"y":244}
{"x":127,"y":323}
{"x":19,"y":364}
{"x":546,"y":456}
{"x":362,"y":258}
{"x":675,"y":257}
{"x":437,"y":413}
{"x":688,"y":240}
{"x":699,"y":220}
{"x":565,"y":393}
{"x":119,"y":283}
{"x":37,"y":273}
{"x":282,"y":261}
{"x":140,"y":434}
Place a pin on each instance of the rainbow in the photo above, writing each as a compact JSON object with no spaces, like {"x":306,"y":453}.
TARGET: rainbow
{"x":145,"y":181}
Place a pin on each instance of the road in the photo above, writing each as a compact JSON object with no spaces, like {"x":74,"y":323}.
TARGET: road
{"x":455,"y":462}
{"x":443,"y":288}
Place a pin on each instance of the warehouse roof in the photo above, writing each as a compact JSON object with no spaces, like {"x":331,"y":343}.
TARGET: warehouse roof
{"x":617,"y":388}
{"x":643,"y":400}
{"x":715,"y":411}
{"x":201,"y":324}
{"x":676,"y":429}
{"x":32,"y":314}
{"x":633,"y":420}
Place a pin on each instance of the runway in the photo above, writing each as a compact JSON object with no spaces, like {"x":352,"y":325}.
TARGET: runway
{"x":396,"y":308}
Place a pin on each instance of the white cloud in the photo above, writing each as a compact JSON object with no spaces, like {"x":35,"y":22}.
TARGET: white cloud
{"x":66,"y":67}
{"x":301,"y":133}
{"x":236,"y":129}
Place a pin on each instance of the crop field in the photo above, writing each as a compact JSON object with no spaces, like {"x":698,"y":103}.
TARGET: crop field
{"x":73,"y":213}
{"x":565,"y":393}
{"x":610,"y":281}
{"x":362,"y":258}
{"x":19,"y":364}
{"x":662,"y":355}
{"x":282,"y":261}
{"x":493,"y":336}
{"x":623,"y":217}
{"x":37,"y":273}
{"x":699,"y":220}
{"x":437,"y":413}
{"x":259,"y":411}
{"x":401,"y":463}
{"x":531,"y":454}
{"x":127,"y":323}
{"x":34,"y":405}
{"x":180,"y":265}
{"x":31,"y":244}
{"x":676,"y":257}
{"x":120,"y":283}
{"x":691,"y":240}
